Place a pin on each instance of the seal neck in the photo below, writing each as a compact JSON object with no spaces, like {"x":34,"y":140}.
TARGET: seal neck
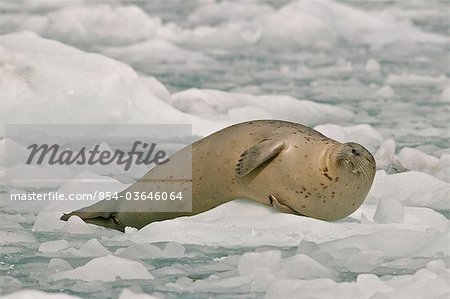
{"x":327,"y":157}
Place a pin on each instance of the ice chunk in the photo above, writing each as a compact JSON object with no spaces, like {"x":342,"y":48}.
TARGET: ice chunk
{"x":369,"y":284}
{"x":337,"y":90}
{"x":311,"y":24}
{"x":251,"y":261}
{"x":305,"y":29}
{"x":49,"y":221}
{"x":389,"y":210}
{"x":371,"y":28}
{"x":140,"y":251}
{"x":372,"y":66}
{"x":156,"y":52}
{"x":385,"y":92}
{"x":423,"y":284}
{"x":413,"y":159}
{"x":364,"y":219}
{"x":169,"y":271}
{"x":385,"y":154}
{"x":9,"y":283}
{"x":173,"y":249}
{"x":424,"y":275}
{"x":363,"y":134}
{"x":126,"y":294}
{"x":17,"y":236}
{"x":85,"y":183}
{"x":107,"y":268}
{"x":59,"y":265}
{"x":412,"y":188}
{"x":96,"y":25}
{"x":437,"y":247}
{"x":53,"y":246}
{"x":445,"y":95}
{"x":235,"y":284}
{"x":203,"y":227}
{"x":156,"y":88}
{"x":130,"y":230}
{"x":436,"y":266}
{"x":306,"y":247}
{"x":260,"y":225}
{"x":443,"y":171}
{"x":261,"y":278}
{"x":149,"y":251}
{"x":93,"y":248}
{"x":39,"y":73}
{"x":75,"y":225}
{"x":10,"y":152}
{"x":26,"y":294}
{"x":393,"y":243}
{"x":213,"y":13}
{"x":301,"y":266}
{"x":414,"y":80}
{"x":43,"y":176}
{"x":295,"y":288}
{"x":90,"y":182}
{"x":236,"y":107}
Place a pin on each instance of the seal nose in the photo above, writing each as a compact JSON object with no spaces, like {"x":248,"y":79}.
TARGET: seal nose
{"x":355,"y":152}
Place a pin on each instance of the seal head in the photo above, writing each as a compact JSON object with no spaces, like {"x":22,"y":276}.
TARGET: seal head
{"x":334,"y":187}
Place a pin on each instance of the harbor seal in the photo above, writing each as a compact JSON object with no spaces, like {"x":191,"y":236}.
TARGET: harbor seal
{"x":286,"y":165}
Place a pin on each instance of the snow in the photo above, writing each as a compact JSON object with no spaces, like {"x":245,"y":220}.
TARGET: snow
{"x":375,"y":73}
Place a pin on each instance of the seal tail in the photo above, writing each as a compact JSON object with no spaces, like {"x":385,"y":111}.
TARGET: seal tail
{"x":98,"y":214}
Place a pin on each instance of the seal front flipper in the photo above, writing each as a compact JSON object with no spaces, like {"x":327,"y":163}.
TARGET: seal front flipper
{"x":258,"y":154}
{"x":280,"y":207}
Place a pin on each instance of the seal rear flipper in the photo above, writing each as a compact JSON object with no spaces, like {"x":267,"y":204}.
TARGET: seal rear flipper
{"x":258,"y":154}
{"x":100,"y":214}
{"x":107,"y":220}
{"x":280,"y":207}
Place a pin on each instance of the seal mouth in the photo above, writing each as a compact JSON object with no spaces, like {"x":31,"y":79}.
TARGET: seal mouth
{"x":355,"y":166}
